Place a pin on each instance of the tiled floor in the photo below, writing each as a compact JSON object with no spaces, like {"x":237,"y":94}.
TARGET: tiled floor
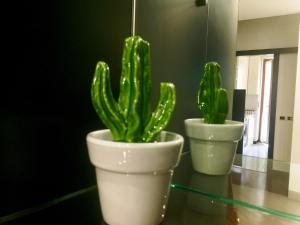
{"x":251,"y":163}
{"x":266,"y":174}
{"x":260,"y":164}
{"x":257,"y":150}
{"x":258,"y":181}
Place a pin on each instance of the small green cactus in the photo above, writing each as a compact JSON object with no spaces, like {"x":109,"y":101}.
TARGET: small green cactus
{"x":130,"y":119}
{"x":212,"y":99}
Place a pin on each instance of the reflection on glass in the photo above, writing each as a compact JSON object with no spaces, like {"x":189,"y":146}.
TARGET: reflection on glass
{"x":211,"y":195}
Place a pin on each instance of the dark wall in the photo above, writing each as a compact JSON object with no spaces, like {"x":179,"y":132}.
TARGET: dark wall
{"x":238,"y":113}
{"x":176,"y":30}
{"x":183,"y":38}
{"x":222,"y":41}
{"x":50,"y":54}
{"x":51,"y":49}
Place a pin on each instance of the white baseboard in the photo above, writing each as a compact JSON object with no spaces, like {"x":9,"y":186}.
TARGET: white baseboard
{"x":294,"y":195}
{"x":281,"y":166}
{"x":294,"y":181}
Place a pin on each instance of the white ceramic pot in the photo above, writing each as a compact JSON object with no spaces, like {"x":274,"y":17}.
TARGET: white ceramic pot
{"x":134,"y":178}
{"x":213,"y":146}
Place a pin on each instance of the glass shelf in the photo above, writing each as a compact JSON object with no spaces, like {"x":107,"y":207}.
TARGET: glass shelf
{"x":194,"y":208}
{"x":194,"y":199}
{"x":185,"y":207}
{"x":247,"y":188}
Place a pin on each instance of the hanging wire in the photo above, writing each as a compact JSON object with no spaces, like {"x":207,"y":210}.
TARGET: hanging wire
{"x":133,"y":17}
{"x":207,"y":20}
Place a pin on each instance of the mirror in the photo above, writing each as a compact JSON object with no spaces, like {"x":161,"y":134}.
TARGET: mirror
{"x":267,"y":49}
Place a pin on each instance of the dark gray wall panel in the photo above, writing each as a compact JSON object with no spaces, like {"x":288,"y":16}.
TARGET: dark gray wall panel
{"x":176,"y":30}
{"x":221,"y":39}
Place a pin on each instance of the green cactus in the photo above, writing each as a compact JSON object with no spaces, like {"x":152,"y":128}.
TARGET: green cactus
{"x":130,"y":118}
{"x":212,"y":99}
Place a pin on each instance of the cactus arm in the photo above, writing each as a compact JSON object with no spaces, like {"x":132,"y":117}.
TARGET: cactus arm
{"x":212,"y":99}
{"x":135,"y":86}
{"x":146,"y":83}
{"x":125,"y":87}
{"x":130,"y":118}
{"x":133,"y":116}
{"x":204,"y":98}
{"x":221,"y":106}
{"x":104,"y":103}
{"x":162,"y":114}
{"x":143,"y":52}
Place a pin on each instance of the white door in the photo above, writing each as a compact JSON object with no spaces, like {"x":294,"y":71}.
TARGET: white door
{"x":285,"y":106}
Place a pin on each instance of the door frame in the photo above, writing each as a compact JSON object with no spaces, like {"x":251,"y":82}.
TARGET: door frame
{"x":262,"y":97}
{"x":275,"y":69}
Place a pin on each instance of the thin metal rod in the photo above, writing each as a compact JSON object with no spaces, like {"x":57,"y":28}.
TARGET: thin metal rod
{"x":133,"y":17}
{"x":207,"y":36}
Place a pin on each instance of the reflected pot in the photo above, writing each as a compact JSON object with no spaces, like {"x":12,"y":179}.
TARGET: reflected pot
{"x":201,"y":209}
{"x":134,"y":178}
{"x":215,"y":185}
{"x":213,"y":146}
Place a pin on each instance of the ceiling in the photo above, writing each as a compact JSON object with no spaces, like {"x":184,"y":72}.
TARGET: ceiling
{"x":253,"y":9}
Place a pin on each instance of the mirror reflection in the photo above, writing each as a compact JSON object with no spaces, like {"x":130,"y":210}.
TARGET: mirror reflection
{"x":266,"y":71}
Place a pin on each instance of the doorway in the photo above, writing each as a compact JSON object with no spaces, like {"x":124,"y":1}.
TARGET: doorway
{"x":254,"y":74}
{"x":282,"y":64}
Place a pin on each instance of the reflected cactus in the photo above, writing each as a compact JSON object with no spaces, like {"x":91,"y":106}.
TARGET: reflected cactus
{"x":212,"y":99}
{"x":130,"y":119}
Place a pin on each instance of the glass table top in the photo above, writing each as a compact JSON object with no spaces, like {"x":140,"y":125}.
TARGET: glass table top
{"x":240,"y":198}
{"x":184,"y":208}
{"x":262,"y":191}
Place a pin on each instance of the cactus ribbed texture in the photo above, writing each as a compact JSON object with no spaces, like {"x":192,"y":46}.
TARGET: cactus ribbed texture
{"x":130,"y":118}
{"x":212,"y":99}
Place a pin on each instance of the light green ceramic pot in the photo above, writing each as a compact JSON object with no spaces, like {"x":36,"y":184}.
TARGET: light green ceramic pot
{"x":213,"y":146}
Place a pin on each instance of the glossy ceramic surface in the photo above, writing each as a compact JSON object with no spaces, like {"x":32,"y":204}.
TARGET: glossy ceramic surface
{"x":212,"y":100}
{"x":213,"y":146}
{"x":130,"y":119}
{"x":128,"y":173}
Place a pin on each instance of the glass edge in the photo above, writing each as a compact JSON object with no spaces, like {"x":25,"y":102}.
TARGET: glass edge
{"x":223,"y":199}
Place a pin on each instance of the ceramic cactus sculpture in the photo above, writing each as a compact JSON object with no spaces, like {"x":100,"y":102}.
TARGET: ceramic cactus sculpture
{"x":130,"y":118}
{"x":212,"y":99}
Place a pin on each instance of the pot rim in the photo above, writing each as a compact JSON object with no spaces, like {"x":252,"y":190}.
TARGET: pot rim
{"x":92,"y":138}
{"x":200,"y":122}
{"x":230,"y":131}
{"x":134,"y":157}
